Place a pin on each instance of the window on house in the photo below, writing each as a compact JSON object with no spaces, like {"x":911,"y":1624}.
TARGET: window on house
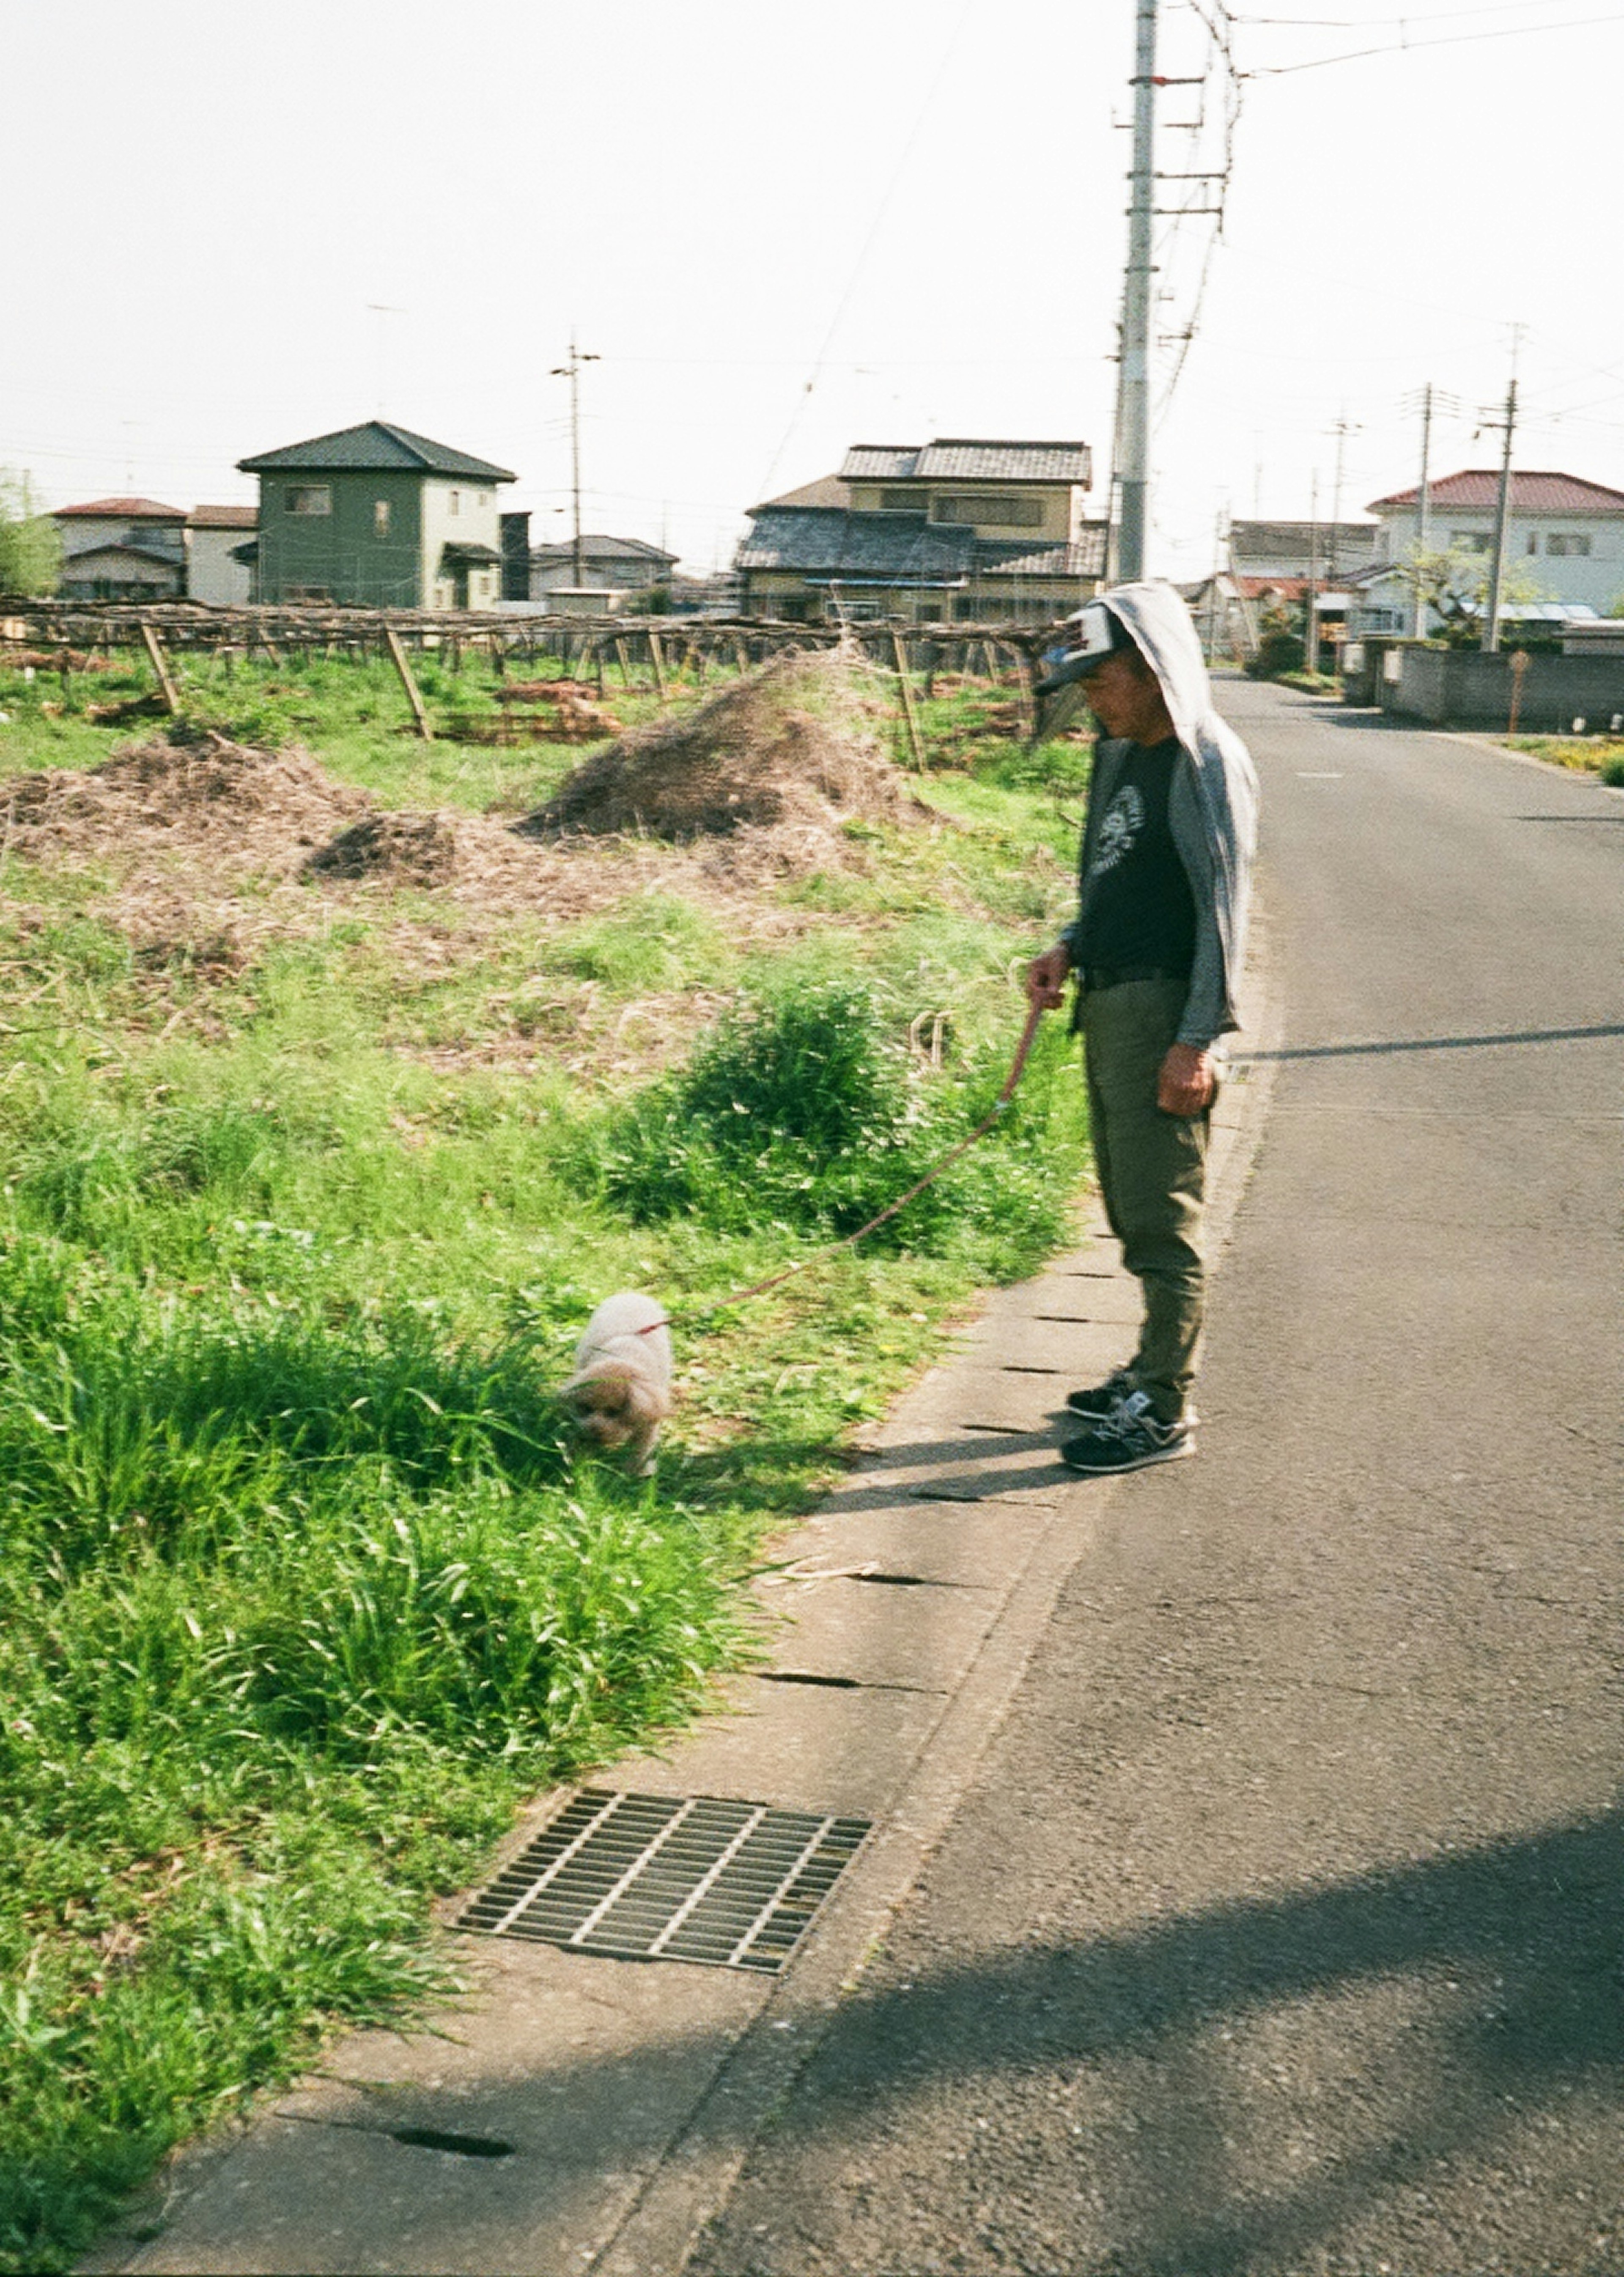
{"x":899,"y":501}
{"x":306,"y":593}
{"x":1009,"y":513}
{"x":309,"y":498}
{"x":1533,"y":542}
{"x":1470,"y":541}
{"x":380,"y":517}
{"x":453,"y":501}
{"x":1566,"y":541}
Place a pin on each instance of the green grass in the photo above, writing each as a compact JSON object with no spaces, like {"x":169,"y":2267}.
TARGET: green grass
{"x":304,"y":1587}
{"x":1596,"y":754}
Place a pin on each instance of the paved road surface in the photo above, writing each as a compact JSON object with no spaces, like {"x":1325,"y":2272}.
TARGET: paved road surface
{"x":1283,"y":1928}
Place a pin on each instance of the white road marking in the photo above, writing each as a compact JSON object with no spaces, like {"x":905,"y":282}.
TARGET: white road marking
{"x":1319,"y":775}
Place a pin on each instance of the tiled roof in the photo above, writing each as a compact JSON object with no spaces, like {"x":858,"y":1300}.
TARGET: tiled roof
{"x":1253,"y":541}
{"x":827,"y":490}
{"x":106,"y":552}
{"x":958,"y":459}
{"x":1084,"y":559}
{"x":123,"y":509}
{"x":601,"y":549}
{"x":376,"y":447}
{"x":1477,"y":487}
{"x":885,"y":462}
{"x":824,"y":542}
{"x":224,"y":517}
{"x":1290,"y":588}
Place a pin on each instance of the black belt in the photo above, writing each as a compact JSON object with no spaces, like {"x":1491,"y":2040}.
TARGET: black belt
{"x":1094,"y":976}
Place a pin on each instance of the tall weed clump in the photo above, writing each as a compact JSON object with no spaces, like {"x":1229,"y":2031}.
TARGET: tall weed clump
{"x":289,"y":1613}
{"x":802,"y":1111}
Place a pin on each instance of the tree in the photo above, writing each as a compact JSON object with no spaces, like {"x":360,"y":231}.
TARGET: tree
{"x":1454,"y":585}
{"x":30,"y":546}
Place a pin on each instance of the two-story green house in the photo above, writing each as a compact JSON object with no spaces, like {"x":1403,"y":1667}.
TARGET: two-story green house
{"x":376,"y":517}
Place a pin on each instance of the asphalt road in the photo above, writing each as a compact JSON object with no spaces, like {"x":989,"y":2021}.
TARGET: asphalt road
{"x":1283,"y":1926}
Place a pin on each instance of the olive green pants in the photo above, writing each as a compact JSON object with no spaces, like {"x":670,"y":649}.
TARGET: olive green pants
{"x":1152,"y":1170}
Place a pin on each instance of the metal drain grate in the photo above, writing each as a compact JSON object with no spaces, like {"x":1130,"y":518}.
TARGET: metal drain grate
{"x":655,"y":1877}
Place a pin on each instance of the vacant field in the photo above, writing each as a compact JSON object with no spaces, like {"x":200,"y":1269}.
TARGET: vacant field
{"x":330,"y":1107}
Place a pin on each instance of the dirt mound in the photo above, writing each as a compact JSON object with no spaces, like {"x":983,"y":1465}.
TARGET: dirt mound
{"x":247,"y":809}
{"x":793,"y":745}
{"x":406,"y":849}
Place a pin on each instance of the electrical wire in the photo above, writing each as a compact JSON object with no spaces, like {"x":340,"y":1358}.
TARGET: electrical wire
{"x":820,"y":360}
{"x":1451,"y":40}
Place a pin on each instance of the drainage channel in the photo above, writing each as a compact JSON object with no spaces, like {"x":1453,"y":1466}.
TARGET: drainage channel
{"x":727,"y":1883}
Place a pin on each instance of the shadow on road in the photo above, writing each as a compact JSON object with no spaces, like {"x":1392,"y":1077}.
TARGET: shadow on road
{"x":1435,"y":1043}
{"x":1180,"y":2044}
{"x":1521,"y":1944}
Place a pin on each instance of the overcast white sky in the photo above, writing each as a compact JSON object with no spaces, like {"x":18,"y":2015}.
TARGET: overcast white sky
{"x":917,"y":206}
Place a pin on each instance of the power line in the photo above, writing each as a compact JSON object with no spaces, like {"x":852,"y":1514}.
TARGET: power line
{"x":1451,"y":40}
{"x":861,"y":264}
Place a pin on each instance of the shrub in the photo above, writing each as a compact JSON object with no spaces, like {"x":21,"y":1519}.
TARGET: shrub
{"x":1278,"y":651}
{"x":803,"y":1111}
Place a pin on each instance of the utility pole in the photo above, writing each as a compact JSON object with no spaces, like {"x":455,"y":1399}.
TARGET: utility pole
{"x":1310,"y":643}
{"x":571,"y":372}
{"x":1133,"y":374}
{"x":1424,"y":501}
{"x":1502,"y":511}
{"x":1344,"y":428}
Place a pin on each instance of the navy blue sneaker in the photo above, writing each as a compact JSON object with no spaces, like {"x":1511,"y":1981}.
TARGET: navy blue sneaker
{"x":1099,"y":1404}
{"x":1129,"y":1439}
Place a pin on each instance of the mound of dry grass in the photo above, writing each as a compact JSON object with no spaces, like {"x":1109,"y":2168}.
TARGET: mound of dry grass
{"x":241,"y":808}
{"x":793,"y":747}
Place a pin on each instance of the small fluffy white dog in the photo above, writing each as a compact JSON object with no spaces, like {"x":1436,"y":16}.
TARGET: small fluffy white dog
{"x":621,"y":1388}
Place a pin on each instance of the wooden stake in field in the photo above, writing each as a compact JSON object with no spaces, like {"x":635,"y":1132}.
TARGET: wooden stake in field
{"x":658,"y":662}
{"x":910,"y":718}
{"x":413,"y":693}
{"x":155,"y":651}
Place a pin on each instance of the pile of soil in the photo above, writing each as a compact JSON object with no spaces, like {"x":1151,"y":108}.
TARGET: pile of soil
{"x":796,"y":746}
{"x":412,"y":849}
{"x":240,"y":807}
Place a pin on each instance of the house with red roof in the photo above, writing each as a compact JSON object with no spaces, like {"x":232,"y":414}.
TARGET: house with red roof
{"x":1565,"y":539}
{"x":122,"y":549}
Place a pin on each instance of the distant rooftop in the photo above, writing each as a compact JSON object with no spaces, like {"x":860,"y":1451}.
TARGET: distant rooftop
{"x":827,"y":490}
{"x":376,"y":447}
{"x":599,"y":548}
{"x":224,"y":517}
{"x":1253,"y":541}
{"x":1478,"y":488}
{"x":123,"y":509}
{"x":959,"y":459}
{"x":903,"y":549}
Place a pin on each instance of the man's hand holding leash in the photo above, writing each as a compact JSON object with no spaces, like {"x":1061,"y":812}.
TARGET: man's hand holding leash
{"x":1188,"y":1078}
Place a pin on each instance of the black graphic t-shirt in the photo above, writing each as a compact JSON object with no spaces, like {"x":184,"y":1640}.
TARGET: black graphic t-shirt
{"x":1140,"y":908}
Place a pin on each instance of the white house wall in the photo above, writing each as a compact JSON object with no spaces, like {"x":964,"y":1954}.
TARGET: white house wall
{"x":478,"y":522}
{"x":1596,"y":577}
{"x":211,"y":574}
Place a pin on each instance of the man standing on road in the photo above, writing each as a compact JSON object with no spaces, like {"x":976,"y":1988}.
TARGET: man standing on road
{"x":1163,"y":884}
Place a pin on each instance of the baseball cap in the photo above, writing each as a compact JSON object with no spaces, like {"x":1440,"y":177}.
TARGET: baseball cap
{"x":1094,"y":633}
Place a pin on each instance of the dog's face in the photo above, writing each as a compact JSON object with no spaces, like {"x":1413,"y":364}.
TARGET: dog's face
{"x":612,"y":1403}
